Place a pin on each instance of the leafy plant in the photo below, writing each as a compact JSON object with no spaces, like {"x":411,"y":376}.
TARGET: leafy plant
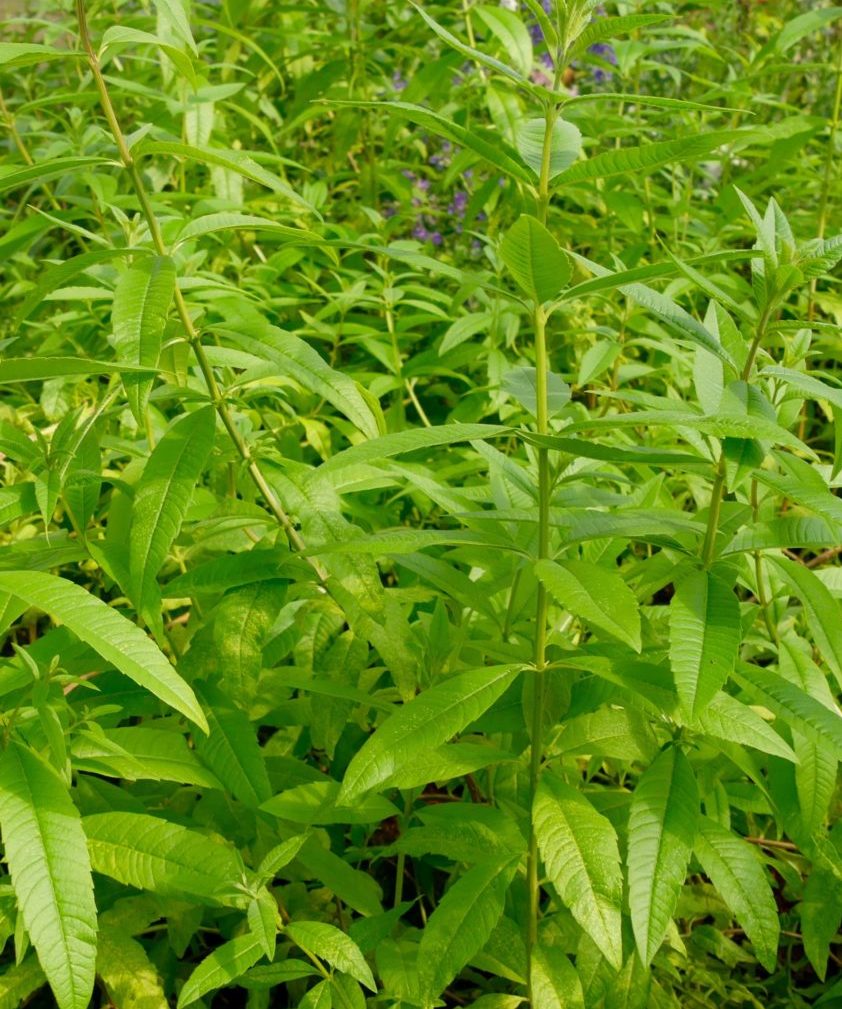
{"x":420,"y":569}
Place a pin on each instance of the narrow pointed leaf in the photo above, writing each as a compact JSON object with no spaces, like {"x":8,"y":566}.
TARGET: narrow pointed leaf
{"x":141,"y":302}
{"x":222,"y":967}
{"x":114,"y":637}
{"x":737,"y":873}
{"x":580,"y":852}
{"x":334,"y":946}
{"x":51,"y":873}
{"x":425,"y":722}
{"x":792,"y":705}
{"x":161,"y":500}
{"x":662,"y":828}
{"x":462,"y":923}
{"x":704,"y":638}
{"x":151,"y":853}
{"x":597,"y":595}
{"x":823,"y":612}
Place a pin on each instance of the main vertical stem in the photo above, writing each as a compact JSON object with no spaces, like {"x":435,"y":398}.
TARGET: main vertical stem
{"x":544,"y":496}
{"x":828,"y":168}
{"x":192,"y":334}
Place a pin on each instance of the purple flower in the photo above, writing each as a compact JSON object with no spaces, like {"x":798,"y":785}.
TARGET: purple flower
{"x":407,"y":174}
{"x":459,"y":203}
{"x":420,"y":232}
{"x":605,"y":51}
{"x":435,"y":238}
{"x":399,"y":82}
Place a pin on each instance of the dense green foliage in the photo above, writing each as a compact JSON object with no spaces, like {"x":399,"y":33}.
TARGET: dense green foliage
{"x":421,"y":429}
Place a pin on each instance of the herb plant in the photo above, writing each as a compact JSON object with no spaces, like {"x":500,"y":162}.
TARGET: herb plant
{"x":420,"y":430}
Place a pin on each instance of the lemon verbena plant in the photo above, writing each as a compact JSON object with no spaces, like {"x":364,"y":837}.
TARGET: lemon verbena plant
{"x":420,"y":529}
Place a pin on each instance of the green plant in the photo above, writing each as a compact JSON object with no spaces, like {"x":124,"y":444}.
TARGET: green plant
{"x":419,"y":579}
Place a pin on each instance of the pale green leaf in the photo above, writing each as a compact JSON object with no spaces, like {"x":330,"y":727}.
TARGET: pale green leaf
{"x":580,"y":852}
{"x":662,"y":828}
{"x":222,"y":967}
{"x":161,"y":500}
{"x":554,"y":981}
{"x":48,"y":861}
{"x":488,"y":145}
{"x":425,"y":722}
{"x":535,"y":259}
{"x":141,"y":302}
{"x":14,"y":176}
{"x":237,"y":161}
{"x":512,"y":34}
{"x":562,"y":150}
{"x":603,"y":28}
{"x":231,"y":750}
{"x":822,"y":611}
{"x":114,"y":637}
{"x":634,"y":161}
{"x":151,"y":853}
{"x":332,"y":945}
{"x":737,"y":873}
{"x":594,"y":594}
{"x":16,"y":55}
{"x":727,"y":718}
{"x":462,"y":923}
{"x":705,"y":636}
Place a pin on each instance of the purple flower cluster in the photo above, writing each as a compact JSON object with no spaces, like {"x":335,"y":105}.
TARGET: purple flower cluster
{"x":437,"y":216}
{"x":605,"y":52}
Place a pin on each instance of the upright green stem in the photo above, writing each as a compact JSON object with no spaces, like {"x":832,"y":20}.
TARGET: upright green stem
{"x":541,"y":606}
{"x":193,"y":336}
{"x":828,"y":169}
{"x":709,"y":545}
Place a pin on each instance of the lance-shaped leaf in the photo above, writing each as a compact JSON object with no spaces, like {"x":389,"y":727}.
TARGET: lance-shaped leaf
{"x":512,"y":34}
{"x":334,"y":946}
{"x":603,"y":28}
{"x":114,"y":637}
{"x":51,"y":874}
{"x":810,"y":717}
{"x":579,"y":849}
{"x":704,"y":638}
{"x":535,"y":259}
{"x":488,"y":145}
{"x":222,"y":967}
{"x":596,"y":595}
{"x":141,"y":302}
{"x":662,"y":828}
{"x":554,"y":981}
{"x":129,"y":976}
{"x":472,"y":53}
{"x":231,"y":750}
{"x":462,"y":923}
{"x":737,"y":873}
{"x":160,"y":503}
{"x":665,"y":308}
{"x":646,"y":158}
{"x":424,"y":723}
{"x":727,"y":718}
{"x":151,"y":853}
{"x":822,"y":611}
